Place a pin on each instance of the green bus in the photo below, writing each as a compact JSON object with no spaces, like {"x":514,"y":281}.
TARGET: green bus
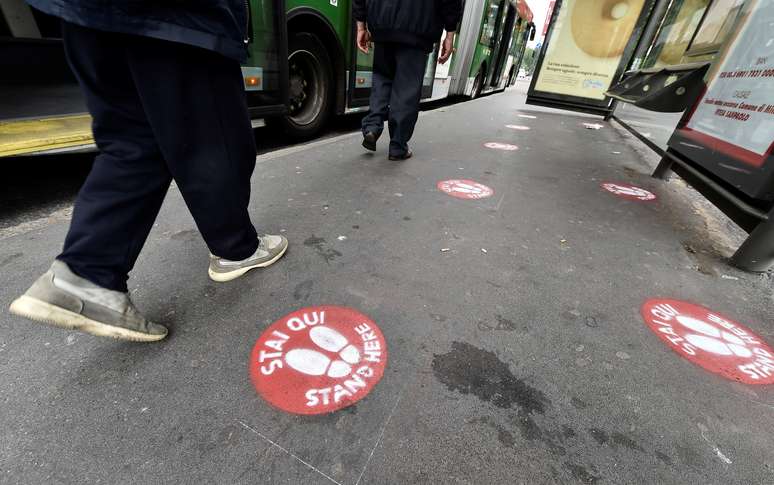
{"x":303,"y":68}
{"x":498,"y":44}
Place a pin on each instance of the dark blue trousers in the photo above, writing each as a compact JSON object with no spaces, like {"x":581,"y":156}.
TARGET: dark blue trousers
{"x":162,"y":111}
{"x":397,"y":88}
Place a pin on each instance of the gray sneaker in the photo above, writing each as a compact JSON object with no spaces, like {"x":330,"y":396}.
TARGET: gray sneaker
{"x":64,"y":299}
{"x":270,"y":249}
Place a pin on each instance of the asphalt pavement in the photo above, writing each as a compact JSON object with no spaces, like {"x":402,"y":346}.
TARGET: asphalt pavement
{"x":518,"y":345}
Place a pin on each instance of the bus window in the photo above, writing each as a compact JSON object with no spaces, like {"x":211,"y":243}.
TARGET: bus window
{"x":487,"y":33}
{"x":264,"y":77}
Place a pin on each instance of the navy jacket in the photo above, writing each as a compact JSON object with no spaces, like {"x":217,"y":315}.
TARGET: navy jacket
{"x":413,"y":22}
{"x":216,"y":25}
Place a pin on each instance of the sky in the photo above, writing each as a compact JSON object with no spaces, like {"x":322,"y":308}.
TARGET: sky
{"x":539,"y":9}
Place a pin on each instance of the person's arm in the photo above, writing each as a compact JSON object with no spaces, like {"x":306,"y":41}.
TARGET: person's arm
{"x":359,"y":11}
{"x":363,"y":37}
{"x":451,"y":12}
{"x":447,"y":47}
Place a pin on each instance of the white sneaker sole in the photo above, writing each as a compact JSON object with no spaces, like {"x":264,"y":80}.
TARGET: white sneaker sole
{"x":40,"y":311}
{"x":232,"y":275}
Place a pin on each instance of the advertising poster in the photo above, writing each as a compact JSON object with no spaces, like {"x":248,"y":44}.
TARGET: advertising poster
{"x":586,"y":46}
{"x":735,"y":116}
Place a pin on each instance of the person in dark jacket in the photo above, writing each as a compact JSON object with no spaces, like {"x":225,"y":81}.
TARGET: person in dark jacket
{"x":164,"y":87}
{"x":404,"y":33}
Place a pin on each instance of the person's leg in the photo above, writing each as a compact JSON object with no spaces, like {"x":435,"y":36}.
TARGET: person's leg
{"x":381,"y":89}
{"x":195,"y":102}
{"x":404,"y":101}
{"x":123,"y":193}
{"x":85,"y":289}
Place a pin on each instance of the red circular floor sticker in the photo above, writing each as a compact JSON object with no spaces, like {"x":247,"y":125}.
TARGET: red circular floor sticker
{"x":710,"y":340}
{"x":465,"y":189}
{"x":318,"y":360}
{"x":494,"y":145}
{"x":630,"y":192}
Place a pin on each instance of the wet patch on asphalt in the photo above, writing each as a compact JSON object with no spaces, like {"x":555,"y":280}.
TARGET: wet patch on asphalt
{"x":469,"y":370}
{"x":320,"y":245}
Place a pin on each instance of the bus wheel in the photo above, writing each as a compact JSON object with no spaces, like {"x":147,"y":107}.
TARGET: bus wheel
{"x":478,"y":85}
{"x":311,"y":87}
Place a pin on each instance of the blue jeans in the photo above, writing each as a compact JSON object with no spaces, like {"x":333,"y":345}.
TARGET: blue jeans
{"x":162,"y":111}
{"x":397,"y":88}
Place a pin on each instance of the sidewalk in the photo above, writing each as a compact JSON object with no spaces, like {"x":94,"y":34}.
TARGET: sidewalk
{"x":517,"y":351}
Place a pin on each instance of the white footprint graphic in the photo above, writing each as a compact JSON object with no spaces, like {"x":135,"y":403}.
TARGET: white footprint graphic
{"x":315,"y":363}
{"x":712,"y":339}
{"x":632,"y":191}
{"x":466,"y":189}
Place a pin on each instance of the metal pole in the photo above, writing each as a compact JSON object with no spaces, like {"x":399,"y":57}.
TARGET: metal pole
{"x":652,"y":28}
{"x":664,"y":169}
{"x":611,"y":113}
{"x":656,"y":17}
{"x":757,"y":252}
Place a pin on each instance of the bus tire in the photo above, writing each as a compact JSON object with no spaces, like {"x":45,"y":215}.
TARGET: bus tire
{"x":311,"y":87}
{"x":478,"y":85}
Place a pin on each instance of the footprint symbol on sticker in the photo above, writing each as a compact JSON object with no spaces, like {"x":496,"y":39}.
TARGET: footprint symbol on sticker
{"x":711,"y":339}
{"x":316,"y":363}
{"x":466,"y":189}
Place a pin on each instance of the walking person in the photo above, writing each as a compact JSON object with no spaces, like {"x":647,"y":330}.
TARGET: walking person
{"x":404,"y":33}
{"x":163,"y":84}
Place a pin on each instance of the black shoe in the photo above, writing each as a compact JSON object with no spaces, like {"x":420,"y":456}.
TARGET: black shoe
{"x":399,"y":158}
{"x":369,"y":141}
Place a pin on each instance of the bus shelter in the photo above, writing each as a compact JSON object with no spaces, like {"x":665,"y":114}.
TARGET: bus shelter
{"x":692,"y":79}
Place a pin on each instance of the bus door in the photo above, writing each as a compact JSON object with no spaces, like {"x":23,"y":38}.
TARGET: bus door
{"x":512,"y":57}
{"x":504,"y":45}
{"x":526,"y":34}
{"x":496,"y":37}
{"x":588,"y":47}
{"x":265,"y":72}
